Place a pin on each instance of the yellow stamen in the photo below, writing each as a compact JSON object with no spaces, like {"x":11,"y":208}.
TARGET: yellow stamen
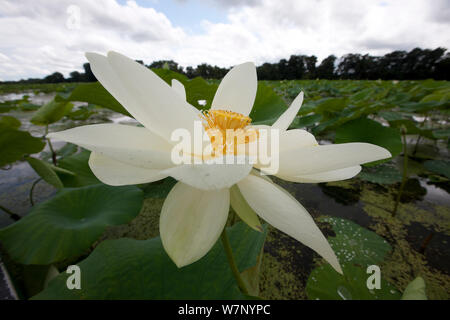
{"x":227,"y":130}
{"x":223,"y":120}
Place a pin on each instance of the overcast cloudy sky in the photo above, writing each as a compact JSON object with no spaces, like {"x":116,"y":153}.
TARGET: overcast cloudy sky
{"x":38,"y":37}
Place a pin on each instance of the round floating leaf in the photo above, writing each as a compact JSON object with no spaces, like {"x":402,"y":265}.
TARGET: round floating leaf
{"x":366,"y":130}
{"x":140,"y":269}
{"x":67,"y":225}
{"x":412,"y":127}
{"x":415,"y":290}
{"x":324,"y":283}
{"x":45,"y":171}
{"x":10,"y":122}
{"x":382,"y":174}
{"x":441,"y":167}
{"x":14,"y":144}
{"x":362,"y":95}
{"x":268,"y":106}
{"x":356,"y":244}
{"x":306,"y":121}
{"x":327,"y":105}
{"x":441,"y":133}
{"x":28,"y":107}
{"x":196,"y":89}
{"x":67,"y":150}
{"x":438,"y":96}
{"x":78,"y":164}
{"x":82,"y":113}
{"x":421,"y":106}
{"x":6,"y":107}
{"x":94,"y":93}
{"x":51,"y":112}
{"x":390,"y":115}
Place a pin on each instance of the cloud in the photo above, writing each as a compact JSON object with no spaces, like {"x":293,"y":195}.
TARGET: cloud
{"x":440,"y":11}
{"x":40,"y":37}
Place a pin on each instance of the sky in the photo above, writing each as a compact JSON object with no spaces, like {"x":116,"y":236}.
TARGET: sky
{"x":39,"y":37}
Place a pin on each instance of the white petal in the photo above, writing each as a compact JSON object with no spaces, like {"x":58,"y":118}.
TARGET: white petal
{"x":116,"y":173}
{"x":164,"y":111}
{"x":281,"y":210}
{"x":210,"y":176}
{"x":279,"y":143}
{"x":178,"y":87}
{"x":191,"y":222}
{"x":326,"y":176}
{"x":136,"y":146}
{"x":315,"y":159}
{"x":237,"y":91}
{"x":296,"y":138}
{"x":113,"y":83}
{"x":285,"y":120}
{"x":243,"y":210}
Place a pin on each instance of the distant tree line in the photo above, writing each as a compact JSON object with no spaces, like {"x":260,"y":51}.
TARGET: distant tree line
{"x":416,"y":64}
{"x":57,"y":77}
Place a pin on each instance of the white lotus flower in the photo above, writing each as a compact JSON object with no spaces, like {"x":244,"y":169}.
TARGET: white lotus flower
{"x":196,"y":209}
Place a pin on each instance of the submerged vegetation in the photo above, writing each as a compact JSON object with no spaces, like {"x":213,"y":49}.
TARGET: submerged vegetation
{"x":394,"y":214}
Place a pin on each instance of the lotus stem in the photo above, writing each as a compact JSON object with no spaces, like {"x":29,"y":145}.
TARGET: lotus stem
{"x":405,"y":173}
{"x":31,"y":190}
{"x":12,"y":215}
{"x":232,"y":263}
{"x":50,"y":146}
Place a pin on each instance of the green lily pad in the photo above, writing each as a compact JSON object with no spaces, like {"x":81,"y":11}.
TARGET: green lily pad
{"x":325,"y":125}
{"x":45,"y":171}
{"x":78,"y":164}
{"x":412,"y":127}
{"x":328,"y":105}
{"x":6,"y":107}
{"x":140,"y":269}
{"x":367,"y":130}
{"x":306,"y":121}
{"x":356,"y":244}
{"x":381,"y":174}
{"x":390,"y":115}
{"x":67,"y":225}
{"x":196,"y":89}
{"x":441,"y":133}
{"x":67,"y":150}
{"x":28,"y":107}
{"x":421,"y":106}
{"x":268,"y":106}
{"x":82,"y":113}
{"x":324,"y":283}
{"x":14,"y":144}
{"x":51,"y":112}
{"x":441,"y":167}
{"x":10,"y":122}
{"x":96,"y":94}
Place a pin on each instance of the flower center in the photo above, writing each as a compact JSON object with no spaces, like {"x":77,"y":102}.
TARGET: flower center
{"x":223,"y":120}
{"x":228,"y":131}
